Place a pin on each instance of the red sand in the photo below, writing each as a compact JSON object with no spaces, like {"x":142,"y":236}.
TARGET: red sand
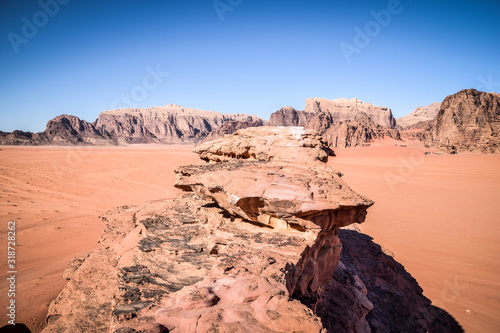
{"x":435,"y":213}
{"x":55,"y":195}
{"x":438,"y":216}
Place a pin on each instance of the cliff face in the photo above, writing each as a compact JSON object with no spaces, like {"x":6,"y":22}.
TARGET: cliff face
{"x":467,"y":121}
{"x":253,"y":246}
{"x":288,"y":116}
{"x":169,"y":124}
{"x":231,"y":126}
{"x":350,"y":133}
{"x":67,"y":129}
{"x":345,"y":123}
{"x":343,"y":109}
{"x":419,"y":116}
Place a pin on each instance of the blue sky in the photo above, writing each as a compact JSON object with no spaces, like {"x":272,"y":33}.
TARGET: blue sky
{"x":246,"y":56}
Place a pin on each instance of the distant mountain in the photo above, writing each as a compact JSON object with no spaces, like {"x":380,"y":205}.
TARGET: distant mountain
{"x":343,"y":109}
{"x":350,"y":133}
{"x":343,"y":122}
{"x":171,"y":124}
{"x":418,"y":116}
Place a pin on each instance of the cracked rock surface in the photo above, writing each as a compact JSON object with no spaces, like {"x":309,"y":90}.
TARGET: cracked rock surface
{"x":252,"y":246}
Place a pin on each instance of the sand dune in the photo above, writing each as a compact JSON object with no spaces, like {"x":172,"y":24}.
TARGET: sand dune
{"x":436,"y":214}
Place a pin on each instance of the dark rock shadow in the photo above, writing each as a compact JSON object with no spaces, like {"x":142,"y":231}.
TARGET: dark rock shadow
{"x":370,"y":291}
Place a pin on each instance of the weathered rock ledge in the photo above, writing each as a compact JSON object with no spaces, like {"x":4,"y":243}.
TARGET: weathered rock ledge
{"x":252,"y":247}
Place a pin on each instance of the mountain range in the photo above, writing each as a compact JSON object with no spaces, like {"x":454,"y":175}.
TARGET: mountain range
{"x":465,"y":121}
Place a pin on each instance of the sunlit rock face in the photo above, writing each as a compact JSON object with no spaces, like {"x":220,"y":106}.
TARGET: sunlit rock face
{"x":252,"y":246}
{"x":467,"y":121}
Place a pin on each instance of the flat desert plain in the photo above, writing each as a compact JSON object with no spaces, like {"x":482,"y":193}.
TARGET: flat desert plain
{"x":434,"y":214}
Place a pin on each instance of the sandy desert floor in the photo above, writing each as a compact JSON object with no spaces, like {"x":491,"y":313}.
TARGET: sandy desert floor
{"x":435,"y":214}
{"x":55,"y":195}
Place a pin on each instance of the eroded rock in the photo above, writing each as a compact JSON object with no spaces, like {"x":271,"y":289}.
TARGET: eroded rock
{"x":253,"y":247}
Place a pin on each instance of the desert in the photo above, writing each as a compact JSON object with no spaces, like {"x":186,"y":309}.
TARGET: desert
{"x":416,"y":219}
{"x":249,"y":166}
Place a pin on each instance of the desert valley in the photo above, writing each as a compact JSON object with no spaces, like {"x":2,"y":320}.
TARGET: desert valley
{"x":335,"y":218}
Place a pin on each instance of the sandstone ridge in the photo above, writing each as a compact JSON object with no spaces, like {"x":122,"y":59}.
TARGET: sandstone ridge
{"x":171,"y":124}
{"x":253,"y":246}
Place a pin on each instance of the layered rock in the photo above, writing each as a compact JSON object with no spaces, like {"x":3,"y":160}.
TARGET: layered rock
{"x":418,"y":116}
{"x":171,"y":124}
{"x":266,"y":144}
{"x":231,"y":126}
{"x":467,"y":121}
{"x":288,"y":116}
{"x":252,"y":247}
{"x":343,"y":109}
{"x":350,"y":133}
{"x":343,"y":122}
{"x":61,"y":130}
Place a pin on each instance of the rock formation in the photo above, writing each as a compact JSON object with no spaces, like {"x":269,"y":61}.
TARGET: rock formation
{"x":70,"y":129}
{"x":343,"y":109}
{"x":467,"y":121}
{"x":350,"y":133}
{"x":343,"y":122}
{"x":252,"y":246}
{"x":418,"y":116}
{"x":288,"y":116}
{"x":231,"y":126}
{"x":61,"y":130}
{"x":20,"y":138}
{"x":169,"y":124}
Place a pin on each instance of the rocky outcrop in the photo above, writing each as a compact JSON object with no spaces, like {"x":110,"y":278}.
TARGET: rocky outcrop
{"x":350,"y":133}
{"x":343,"y":109}
{"x":267,"y":144}
{"x":20,"y":138}
{"x":171,"y":124}
{"x":62,"y":130}
{"x":467,"y":121}
{"x":231,"y":126}
{"x":343,"y":122}
{"x":68,"y":129}
{"x":288,"y":116}
{"x":418,"y":116}
{"x":252,"y":246}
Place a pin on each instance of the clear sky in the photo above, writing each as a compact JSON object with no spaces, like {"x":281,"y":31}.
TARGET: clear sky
{"x":248,"y":56}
